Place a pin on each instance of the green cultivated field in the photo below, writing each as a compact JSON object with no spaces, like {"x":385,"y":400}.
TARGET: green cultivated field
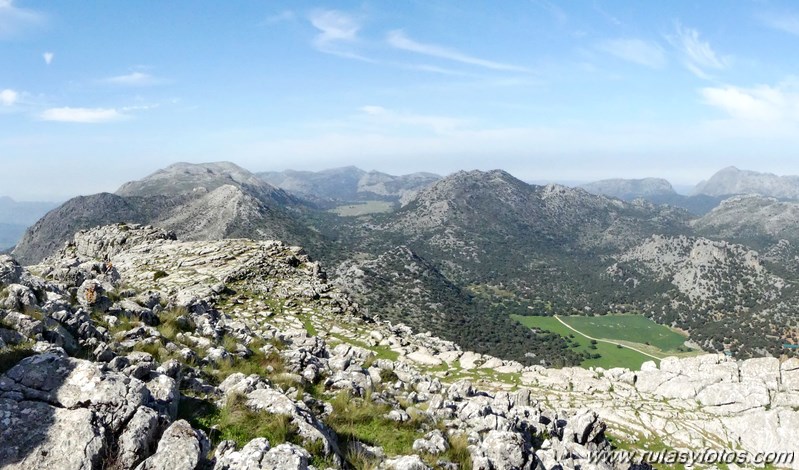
{"x":632,"y":330}
{"x":363,"y":208}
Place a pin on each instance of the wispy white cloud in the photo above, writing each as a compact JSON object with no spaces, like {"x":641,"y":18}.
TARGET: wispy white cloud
{"x":15,"y":20}
{"x":785,"y":22}
{"x":82,"y":115}
{"x":334,"y":26}
{"x":337,"y":34}
{"x":8,"y":97}
{"x":48,"y":57}
{"x":638,"y":51}
{"x":399,"y":40}
{"x":391,"y":118}
{"x":133,"y":79}
{"x":698,"y":55}
{"x":761,"y":103}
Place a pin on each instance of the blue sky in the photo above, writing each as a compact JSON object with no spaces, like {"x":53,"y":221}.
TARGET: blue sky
{"x":96,"y":93}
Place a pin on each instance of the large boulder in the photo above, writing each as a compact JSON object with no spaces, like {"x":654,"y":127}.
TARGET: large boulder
{"x":10,"y":271}
{"x":504,"y":450}
{"x":180,"y":448}
{"x":19,"y":298}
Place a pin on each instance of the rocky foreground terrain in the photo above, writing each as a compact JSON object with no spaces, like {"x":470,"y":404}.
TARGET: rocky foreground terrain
{"x":131,"y":349}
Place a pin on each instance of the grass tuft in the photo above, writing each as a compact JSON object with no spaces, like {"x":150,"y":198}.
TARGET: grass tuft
{"x":361,"y":419}
{"x":11,"y":355}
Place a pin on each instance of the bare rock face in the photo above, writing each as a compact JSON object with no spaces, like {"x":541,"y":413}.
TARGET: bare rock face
{"x":105,"y":242}
{"x":37,"y":435}
{"x":57,"y":412}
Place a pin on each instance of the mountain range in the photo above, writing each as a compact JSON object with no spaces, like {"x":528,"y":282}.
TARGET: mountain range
{"x":469,"y":249}
{"x":349,"y":184}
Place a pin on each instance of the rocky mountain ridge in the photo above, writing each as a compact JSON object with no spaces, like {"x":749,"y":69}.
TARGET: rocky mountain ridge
{"x":184,"y":343}
{"x":206,"y":201}
{"x":756,"y":219}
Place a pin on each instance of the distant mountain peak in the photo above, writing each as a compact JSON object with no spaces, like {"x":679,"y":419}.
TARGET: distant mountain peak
{"x":731,"y":181}
{"x":349,"y":183}
{"x":629,"y":189}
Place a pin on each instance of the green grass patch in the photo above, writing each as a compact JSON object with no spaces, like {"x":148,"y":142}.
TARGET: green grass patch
{"x":632,"y":328}
{"x":266,"y":365}
{"x":610,"y":355}
{"x":308,"y":325}
{"x":237,"y":422}
{"x":175,"y":321}
{"x":458,"y":452}
{"x":364,"y":208}
{"x":382,"y":352}
{"x":361,"y":419}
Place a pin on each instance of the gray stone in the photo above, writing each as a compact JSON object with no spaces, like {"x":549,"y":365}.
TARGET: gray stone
{"x":180,"y":448}
{"x":164,"y":395}
{"x":309,"y":428}
{"x":583,"y":427}
{"x":38,"y":435}
{"x":19,"y":298}
{"x":10,"y":271}
{"x":433,"y":443}
{"x":75,"y":383}
{"x":91,"y":295}
{"x":728,"y":398}
{"x":248,"y":458}
{"x":762,"y":369}
{"x":789,"y":371}
{"x":405,"y":462}
{"x":286,"y":457}
{"x":505,"y":450}
{"x":139,"y":436}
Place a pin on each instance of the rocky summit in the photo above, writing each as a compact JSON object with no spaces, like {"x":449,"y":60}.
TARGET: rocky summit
{"x":132,"y":349}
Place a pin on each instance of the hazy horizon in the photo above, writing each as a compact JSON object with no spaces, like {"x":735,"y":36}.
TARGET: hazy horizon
{"x":111,"y":187}
{"x":104,"y":93}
